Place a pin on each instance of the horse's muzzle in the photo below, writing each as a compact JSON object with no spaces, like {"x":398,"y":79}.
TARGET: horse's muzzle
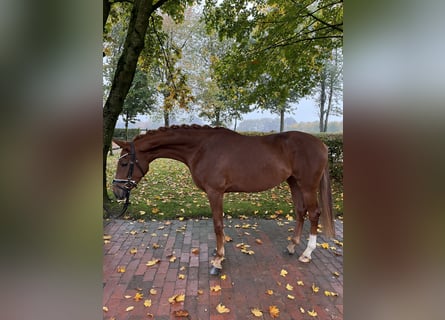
{"x":122,"y":188}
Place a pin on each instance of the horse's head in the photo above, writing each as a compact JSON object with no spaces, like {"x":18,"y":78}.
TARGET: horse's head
{"x":131,"y":167}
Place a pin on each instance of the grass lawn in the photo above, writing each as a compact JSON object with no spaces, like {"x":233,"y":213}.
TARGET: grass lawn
{"x":168,"y":192}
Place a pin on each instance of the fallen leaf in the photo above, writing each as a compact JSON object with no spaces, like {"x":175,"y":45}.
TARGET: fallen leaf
{"x":291,"y":297}
{"x":107,"y":237}
{"x":269,"y":292}
{"x":314,"y":288}
{"x":274,"y":311}
{"x":325,"y":245}
{"x":181,"y":276}
{"x":200,"y":291}
{"x":302,"y":310}
{"x":330,"y":293}
{"x":312,"y":313}
{"x":153,"y":291}
{"x":224,"y":277}
{"x":152,"y":262}
{"x":215,"y":288}
{"x":138,"y":296}
{"x":121,"y":269}
{"x":104,"y":308}
{"x":127,"y":296}
{"x":289,"y":287}
{"x":181,"y":313}
{"x":147,"y":303}
{"x":222,"y":309}
{"x":172,"y":259}
{"x":256,"y":312}
{"x":177,"y":298}
{"x":335,"y":273}
{"x":133,"y":250}
{"x":195,"y":251}
{"x":283,"y":273}
{"x":133,"y":232}
{"x":228,"y":239}
{"x":155,"y":246}
{"x":129,"y":308}
{"x":300,"y":283}
{"x":182,"y":268}
{"x":259,"y":241}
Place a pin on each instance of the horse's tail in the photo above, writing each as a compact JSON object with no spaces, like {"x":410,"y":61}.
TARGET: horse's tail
{"x":327,"y":218}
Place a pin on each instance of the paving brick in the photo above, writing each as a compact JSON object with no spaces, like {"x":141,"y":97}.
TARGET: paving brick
{"x":247,"y":276}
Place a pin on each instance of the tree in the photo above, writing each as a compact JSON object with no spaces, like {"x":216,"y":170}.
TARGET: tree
{"x":279,"y":46}
{"x":330,"y":89}
{"x":141,"y":11}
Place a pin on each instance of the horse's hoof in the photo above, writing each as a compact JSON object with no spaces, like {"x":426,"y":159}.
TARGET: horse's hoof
{"x":214,"y":253}
{"x":215,"y":271}
{"x":304,"y":259}
{"x":290,"y":250}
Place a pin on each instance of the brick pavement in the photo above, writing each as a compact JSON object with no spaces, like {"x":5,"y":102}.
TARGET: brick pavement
{"x":247,"y":276}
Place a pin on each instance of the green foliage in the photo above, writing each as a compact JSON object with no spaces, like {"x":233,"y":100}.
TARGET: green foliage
{"x":334,"y":141}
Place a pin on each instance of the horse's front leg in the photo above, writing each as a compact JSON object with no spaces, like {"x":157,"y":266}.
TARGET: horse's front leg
{"x":216,"y":204}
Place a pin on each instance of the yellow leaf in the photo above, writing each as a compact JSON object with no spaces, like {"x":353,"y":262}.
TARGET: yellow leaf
{"x":129,"y":308}
{"x":259,"y":241}
{"x":325,"y":245}
{"x":222,"y":309}
{"x":312,"y":313}
{"x":138,"y":296}
{"x":152,"y":262}
{"x":200,"y":291}
{"x":335,"y":273}
{"x":256,"y":312}
{"x":155,"y":210}
{"x":133,"y":232}
{"x":269,"y":292}
{"x":302,"y":310}
{"x":121,"y":269}
{"x":181,"y":276}
{"x":283,"y":273}
{"x":133,"y":250}
{"x":215,"y":288}
{"x":172,"y":259}
{"x":289,"y":287}
{"x":300,"y":283}
{"x":330,"y":293}
{"x":195,"y":251}
{"x":104,"y":308}
{"x":177,"y":298}
{"x":274,"y":311}
{"x":224,"y":277}
{"x":314,"y":288}
{"x":153,"y":291}
{"x":107,"y":237}
{"x":147,"y":303}
{"x":127,"y":296}
{"x":155,"y":246}
{"x":291,"y":297}
{"x":228,"y":239}
{"x":182,"y":268}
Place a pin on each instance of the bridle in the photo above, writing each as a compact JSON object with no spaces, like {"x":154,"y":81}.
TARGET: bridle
{"x":129,"y":183}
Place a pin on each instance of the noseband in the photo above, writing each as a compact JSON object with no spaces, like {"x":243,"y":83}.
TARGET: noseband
{"x":129,"y":182}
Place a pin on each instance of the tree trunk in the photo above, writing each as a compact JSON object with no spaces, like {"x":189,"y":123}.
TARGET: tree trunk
{"x":328,"y":111}
{"x":282,"y":119}
{"x":106,"y":11}
{"x":166,"y":118}
{"x":322,"y":99}
{"x":125,"y":70}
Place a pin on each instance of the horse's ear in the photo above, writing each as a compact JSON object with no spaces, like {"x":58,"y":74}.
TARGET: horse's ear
{"x":120,"y":143}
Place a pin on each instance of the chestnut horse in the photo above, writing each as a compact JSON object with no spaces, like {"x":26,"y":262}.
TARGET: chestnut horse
{"x":221,"y":160}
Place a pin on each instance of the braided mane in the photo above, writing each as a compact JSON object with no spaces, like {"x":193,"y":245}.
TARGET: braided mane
{"x":176,"y":127}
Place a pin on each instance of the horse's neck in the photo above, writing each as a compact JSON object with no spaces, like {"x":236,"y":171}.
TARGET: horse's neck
{"x":177,"y":146}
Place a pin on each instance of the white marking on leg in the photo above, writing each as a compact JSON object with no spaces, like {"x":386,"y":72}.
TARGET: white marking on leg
{"x":311,"y":245}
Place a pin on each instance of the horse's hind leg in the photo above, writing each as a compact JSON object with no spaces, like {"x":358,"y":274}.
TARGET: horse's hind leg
{"x":310,"y":200}
{"x":297,"y":199}
{"x":216,"y":204}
